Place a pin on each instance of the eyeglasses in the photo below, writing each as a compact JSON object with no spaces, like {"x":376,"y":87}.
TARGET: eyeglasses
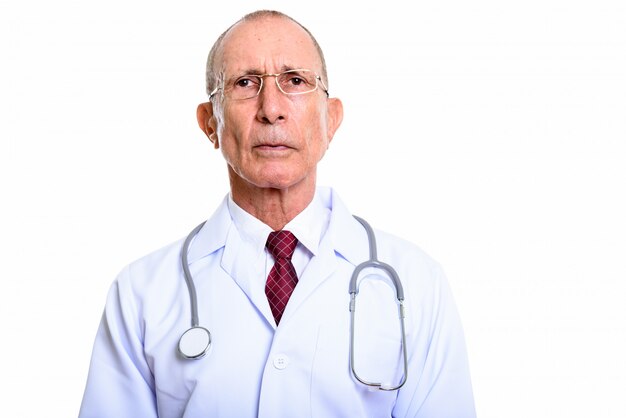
{"x":291,"y":83}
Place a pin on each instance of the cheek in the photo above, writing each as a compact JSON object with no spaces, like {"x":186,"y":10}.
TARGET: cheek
{"x":231,"y":131}
{"x":317,"y":137}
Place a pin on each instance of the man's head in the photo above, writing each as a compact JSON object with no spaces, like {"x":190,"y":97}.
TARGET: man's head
{"x":273,"y":139}
{"x":213,"y":69}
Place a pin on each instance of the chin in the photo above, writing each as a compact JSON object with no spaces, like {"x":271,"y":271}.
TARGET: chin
{"x":278,"y":184}
{"x":274,"y":176}
{"x":278,"y":177}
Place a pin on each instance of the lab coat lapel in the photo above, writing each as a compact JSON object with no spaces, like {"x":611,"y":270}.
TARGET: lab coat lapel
{"x":237,"y":260}
{"x":243,"y":266}
{"x":348,"y":235}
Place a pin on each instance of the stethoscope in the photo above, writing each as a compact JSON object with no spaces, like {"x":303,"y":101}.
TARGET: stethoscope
{"x":195,"y":343}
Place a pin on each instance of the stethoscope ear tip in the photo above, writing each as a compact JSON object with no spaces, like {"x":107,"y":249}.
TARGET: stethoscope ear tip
{"x":194,"y":343}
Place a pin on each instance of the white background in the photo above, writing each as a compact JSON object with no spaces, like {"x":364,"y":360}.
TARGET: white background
{"x":490,"y":133}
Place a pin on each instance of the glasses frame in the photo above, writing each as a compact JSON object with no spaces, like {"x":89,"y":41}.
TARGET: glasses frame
{"x":318,"y":80}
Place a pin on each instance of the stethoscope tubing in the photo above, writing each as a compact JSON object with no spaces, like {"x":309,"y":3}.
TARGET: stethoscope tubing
{"x":373,"y":262}
{"x":193,"y":297}
{"x":196,"y":341}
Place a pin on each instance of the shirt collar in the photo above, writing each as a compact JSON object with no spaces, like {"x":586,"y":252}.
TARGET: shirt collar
{"x":251,"y":230}
{"x":309,"y":226}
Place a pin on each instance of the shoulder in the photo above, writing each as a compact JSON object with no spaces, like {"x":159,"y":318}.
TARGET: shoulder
{"x":165,"y":262}
{"x":151,"y":269}
{"x":351,"y":241}
{"x":429,"y":301}
{"x":421,"y":275}
{"x":404,"y":253}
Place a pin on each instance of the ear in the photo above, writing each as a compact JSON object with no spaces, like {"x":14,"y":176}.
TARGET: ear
{"x":335,"y":116}
{"x":206,"y":122}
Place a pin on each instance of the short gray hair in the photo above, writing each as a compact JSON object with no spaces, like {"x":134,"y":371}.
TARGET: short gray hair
{"x":212,"y":73}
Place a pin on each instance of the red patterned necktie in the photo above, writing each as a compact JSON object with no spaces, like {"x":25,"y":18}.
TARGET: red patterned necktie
{"x":282,"y":278}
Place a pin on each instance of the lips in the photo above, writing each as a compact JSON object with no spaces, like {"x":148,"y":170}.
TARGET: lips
{"x":272,"y":141}
{"x":273,"y":145}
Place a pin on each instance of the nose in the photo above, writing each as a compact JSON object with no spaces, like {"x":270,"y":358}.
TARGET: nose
{"x":271,"y":102}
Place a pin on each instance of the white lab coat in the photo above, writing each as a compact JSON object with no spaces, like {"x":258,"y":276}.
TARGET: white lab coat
{"x":298,"y":369}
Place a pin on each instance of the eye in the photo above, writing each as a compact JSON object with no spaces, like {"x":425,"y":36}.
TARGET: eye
{"x":247,"y":82}
{"x":296,"y":81}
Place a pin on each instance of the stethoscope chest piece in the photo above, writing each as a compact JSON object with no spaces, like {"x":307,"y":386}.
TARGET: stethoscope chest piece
{"x":194,"y":343}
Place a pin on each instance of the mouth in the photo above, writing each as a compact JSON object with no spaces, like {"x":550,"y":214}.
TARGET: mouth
{"x":272,"y":147}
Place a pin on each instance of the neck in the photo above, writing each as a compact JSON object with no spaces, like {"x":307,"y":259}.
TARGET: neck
{"x":274,"y":207}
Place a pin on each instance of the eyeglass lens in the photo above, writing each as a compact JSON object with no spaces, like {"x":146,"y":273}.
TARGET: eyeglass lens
{"x":289,"y":82}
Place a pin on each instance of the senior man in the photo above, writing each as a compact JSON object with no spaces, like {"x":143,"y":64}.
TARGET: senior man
{"x":271,"y":272}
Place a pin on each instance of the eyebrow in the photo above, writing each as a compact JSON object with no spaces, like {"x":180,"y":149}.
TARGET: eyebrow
{"x":257,"y":71}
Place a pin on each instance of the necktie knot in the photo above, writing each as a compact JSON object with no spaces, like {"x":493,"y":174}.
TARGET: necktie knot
{"x":281,"y":244}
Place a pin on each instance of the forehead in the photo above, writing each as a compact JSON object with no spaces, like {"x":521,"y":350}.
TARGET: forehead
{"x":268,"y":45}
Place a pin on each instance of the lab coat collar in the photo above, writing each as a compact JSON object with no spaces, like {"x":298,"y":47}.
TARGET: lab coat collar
{"x":213,"y":234}
{"x":346,"y":233}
